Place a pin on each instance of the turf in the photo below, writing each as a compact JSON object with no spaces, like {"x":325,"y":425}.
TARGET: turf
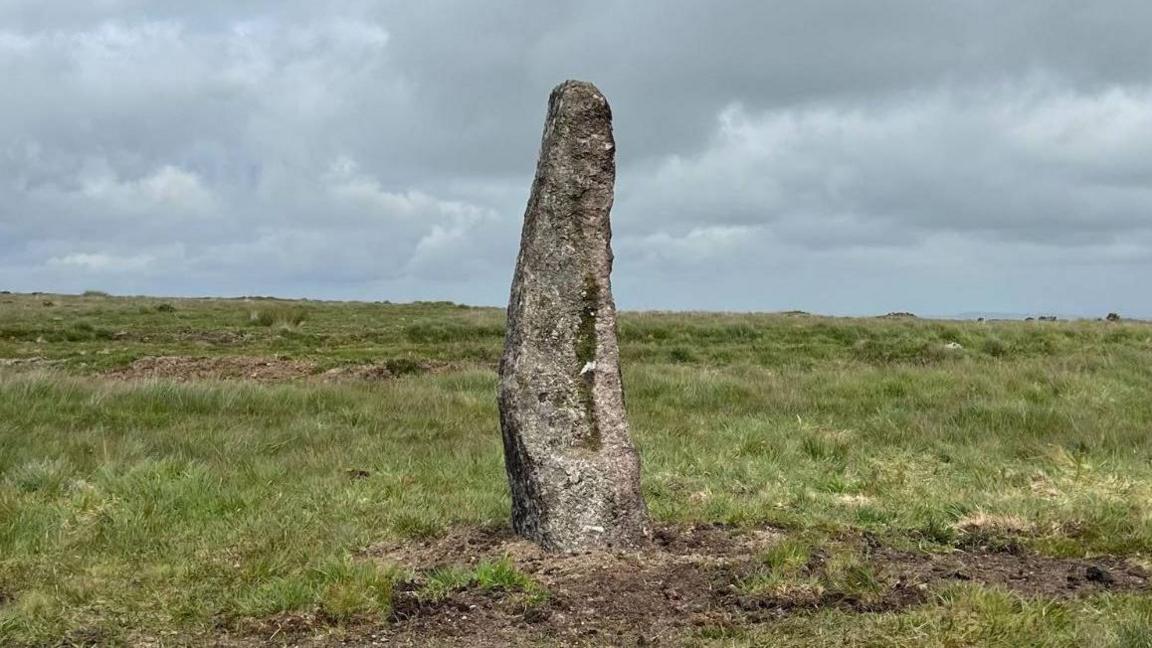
{"x":131,"y":510}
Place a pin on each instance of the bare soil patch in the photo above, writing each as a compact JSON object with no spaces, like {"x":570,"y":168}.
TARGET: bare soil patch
{"x":212,"y":337}
{"x":185,"y":368}
{"x":691,"y":578}
{"x":33,"y":362}
{"x":261,"y":369}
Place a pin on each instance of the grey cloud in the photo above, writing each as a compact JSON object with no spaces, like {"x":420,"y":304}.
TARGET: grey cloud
{"x":1025,"y":162}
{"x":941,"y":156}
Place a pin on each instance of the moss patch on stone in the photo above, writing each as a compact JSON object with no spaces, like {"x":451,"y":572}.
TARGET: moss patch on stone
{"x":586,"y":353}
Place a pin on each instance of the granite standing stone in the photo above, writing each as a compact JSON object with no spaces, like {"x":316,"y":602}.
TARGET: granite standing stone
{"x":573,"y":471}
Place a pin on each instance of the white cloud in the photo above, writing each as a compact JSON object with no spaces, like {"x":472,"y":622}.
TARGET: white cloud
{"x":699,"y":244}
{"x":347,"y":184}
{"x":166,"y":191}
{"x":1023,"y":163}
{"x":100,"y":262}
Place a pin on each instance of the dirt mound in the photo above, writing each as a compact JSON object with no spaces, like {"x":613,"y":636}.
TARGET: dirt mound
{"x":695,"y":577}
{"x":466,"y":545}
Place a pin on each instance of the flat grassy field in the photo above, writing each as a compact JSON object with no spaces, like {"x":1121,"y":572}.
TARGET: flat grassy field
{"x":232,"y":472}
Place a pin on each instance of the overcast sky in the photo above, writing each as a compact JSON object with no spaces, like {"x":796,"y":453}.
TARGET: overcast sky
{"x":840,"y":157}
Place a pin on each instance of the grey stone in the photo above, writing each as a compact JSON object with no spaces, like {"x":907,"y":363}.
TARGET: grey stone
{"x":573,"y":471}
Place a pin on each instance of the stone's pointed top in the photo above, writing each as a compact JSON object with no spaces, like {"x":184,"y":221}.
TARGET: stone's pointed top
{"x":573,"y":86}
{"x":577,"y":93}
{"x":581,"y":104}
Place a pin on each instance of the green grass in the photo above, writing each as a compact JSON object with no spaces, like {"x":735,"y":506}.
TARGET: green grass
{"x":131,"y":509}
{"x":963,"y":615}
{"x":499,"y":576}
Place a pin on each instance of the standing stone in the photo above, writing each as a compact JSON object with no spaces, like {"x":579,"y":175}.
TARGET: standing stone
{"x":574,"y":473}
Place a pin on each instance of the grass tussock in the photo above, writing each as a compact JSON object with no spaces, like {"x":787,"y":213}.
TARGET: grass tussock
{"x":497,"y":576}
{"x":278,"y":317}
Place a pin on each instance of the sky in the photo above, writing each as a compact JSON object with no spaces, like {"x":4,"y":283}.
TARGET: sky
{"x":833,"y":156}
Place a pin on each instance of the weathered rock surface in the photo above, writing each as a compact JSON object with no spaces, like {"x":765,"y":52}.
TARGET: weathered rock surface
{"x":574,"y":473}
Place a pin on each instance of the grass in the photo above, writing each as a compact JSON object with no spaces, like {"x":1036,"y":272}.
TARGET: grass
{"x":786,"y":573}
{"x":134,"y":509}
{"x":499,"y":576}
{"x":281,"y":317}
{"x":963,"y":615}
